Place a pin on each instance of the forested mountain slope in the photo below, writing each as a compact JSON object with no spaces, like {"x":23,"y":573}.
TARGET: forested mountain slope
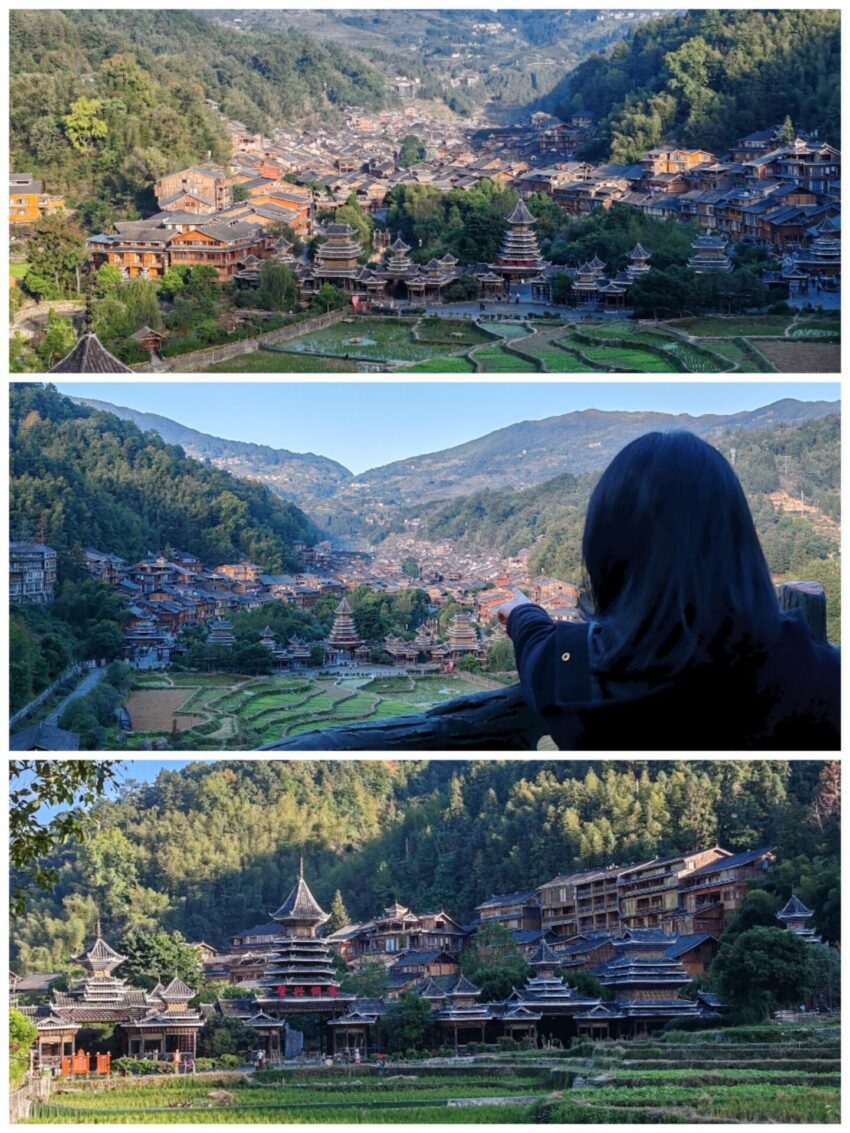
{"x":85,"y":478}
{"x":706,"y":78}
{"x":104,"y":102}
{"x":212,"y":849}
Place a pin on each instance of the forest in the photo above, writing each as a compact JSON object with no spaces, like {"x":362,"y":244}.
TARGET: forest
{"x":706,"y":78}
{"x":210,"y":849}
{"x":102,"y":103}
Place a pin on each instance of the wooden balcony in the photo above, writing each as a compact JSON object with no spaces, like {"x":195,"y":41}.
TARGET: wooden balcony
{"x":499,"y":720}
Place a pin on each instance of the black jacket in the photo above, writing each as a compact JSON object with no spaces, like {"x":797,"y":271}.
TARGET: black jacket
{"x":786,"y":700}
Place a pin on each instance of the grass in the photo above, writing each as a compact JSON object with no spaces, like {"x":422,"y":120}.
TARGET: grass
{"x":495,"y":360}
{"x":391,"y":340}
{"x":18,"y":271}
{"x":273,"y":362}
{"x":440,"y":366}
{"x":710,"y":325}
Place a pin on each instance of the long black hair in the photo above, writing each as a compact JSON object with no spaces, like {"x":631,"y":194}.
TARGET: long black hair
{"x":674,"y":566}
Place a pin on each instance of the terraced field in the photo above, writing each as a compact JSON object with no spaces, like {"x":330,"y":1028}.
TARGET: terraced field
{"x":771,"y":1074}
{"x":788,"y":343}
{"x":237,"y":712}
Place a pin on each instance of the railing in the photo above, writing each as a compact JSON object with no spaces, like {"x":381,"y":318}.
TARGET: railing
{"x":492,"y":721}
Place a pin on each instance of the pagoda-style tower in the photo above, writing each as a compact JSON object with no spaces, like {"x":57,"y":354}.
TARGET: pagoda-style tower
{"x":646,"y":982}
{"x":709,"y":254}
{"x":795,"y":917}
{"x":99,"y":986}
{"x":337,"y":259}
{"x":638,"y":263}
{"x":344,"y":637}
{"x":519,"y":257}
{"x":823,"y":256}
{"x":463,"y":637}
{"x":398,"y":262}
{"x":299,"y":975}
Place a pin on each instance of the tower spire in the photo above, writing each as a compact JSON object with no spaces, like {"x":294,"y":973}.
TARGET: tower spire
{"x":89,"y":319}
{"x":301,"y":868}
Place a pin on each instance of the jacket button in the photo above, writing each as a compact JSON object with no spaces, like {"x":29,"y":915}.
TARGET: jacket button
{"x":566,"y":656}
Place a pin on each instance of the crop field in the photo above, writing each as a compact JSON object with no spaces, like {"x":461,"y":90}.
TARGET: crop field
{"x":221,"y":711}
{"x":790,"y":344}
{"x":389,"y":340}
{"x":802,"y":355}
{"x":767,"y":1074}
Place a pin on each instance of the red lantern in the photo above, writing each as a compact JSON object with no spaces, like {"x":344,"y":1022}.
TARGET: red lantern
{"x":315,"y":990}
{"x":299,"y":991}
{"x":332,"y":992}
{"x":281,"y":991}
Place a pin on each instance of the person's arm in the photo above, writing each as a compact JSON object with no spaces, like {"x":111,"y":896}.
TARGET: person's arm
{"x":532,"y":632}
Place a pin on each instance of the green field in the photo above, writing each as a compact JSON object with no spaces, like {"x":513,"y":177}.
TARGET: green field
{"x":446,"y":346}
{"x":792,"y":1077}
{"x":239,"y":713}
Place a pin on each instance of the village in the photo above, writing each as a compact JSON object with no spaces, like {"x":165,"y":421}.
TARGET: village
{"x":285,"y":199}
{"x":645,"y":932}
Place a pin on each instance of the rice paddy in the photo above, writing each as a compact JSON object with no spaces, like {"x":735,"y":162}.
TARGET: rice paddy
{"x":218,"y":711}
{"x":786,"y":1079}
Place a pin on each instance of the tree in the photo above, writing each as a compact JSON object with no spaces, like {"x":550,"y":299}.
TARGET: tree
{"x":83,"y":124}
{"x":22,"y":1035}
{"x":469,"y":664}
{"x":202,"y":282}
{"x":762,"y":970}
{"x":500,"y":656}
{"x":173,"y":280}
{"x":58,"y":338}
{"x":224,"y":1034}
{"x":494,"y":962}
{"x":788,"y":133}
{"x":158,"y":956}
{"x":338,"y":917}
{"x":39,"y":785}
{"x":411,"y":151}
{"x":108,"y":280}
{"x":278,"y":288}
{"x":240,"y":193}
{"x":407,"y":1022}
{"x":56,"y":251}
{"x":329,"y":298}
{"x":370,"y":981}
{"x":410,"y":567}
{"x":758,"y":908}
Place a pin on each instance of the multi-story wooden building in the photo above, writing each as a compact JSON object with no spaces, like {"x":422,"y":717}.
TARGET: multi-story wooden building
{"x":32,"y":572}
{"x":400,"y":930}
{"x":580,"y":902}
{"x":520,"y":910}
{"x":28,"y":201}
{"x":200,"y":189}
{"x":711,"y":895}
{"x":649,"y":893}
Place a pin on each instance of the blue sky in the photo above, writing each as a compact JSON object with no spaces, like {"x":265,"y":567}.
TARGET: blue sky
{"x":365,"y":424}
{"x":141,"y":770}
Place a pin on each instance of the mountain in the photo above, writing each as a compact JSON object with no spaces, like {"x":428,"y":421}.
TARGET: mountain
{"x":516,"y":55}
{"x":210,"y":849}
{"x":706,"y":78}
{"x":85,"y":478}
{"x":530,"y":452}
{"x":104,"y":102}
{"x":300,"y":477}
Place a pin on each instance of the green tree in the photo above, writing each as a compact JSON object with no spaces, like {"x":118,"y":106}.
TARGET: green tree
{"x":494,"y":962}
{"x":500,"y":656}
{"x":158,"y":956}
{"x":788,"y":133}
{"x":56,"y":251}
{"x":240,"y":193}
{"x":224,"y":1034}
{"x":278,"y":288}
{"x":410,"y":567}
{"x":329,"y":298}
{"x":407,"y":1022}
{"x":83,"y":124}
{"x":37,"y":787}
{"x":22,"y":1036}
{"x":369,"y":981}
{"x":173,"y":280}
{"x":411,"y":150}
{"x":338,"y":917}
{"x":202,"y":282}
{"x":758,"y":909}
{"x":56,"y":341}
{"x":763,"y":969}
{"x":109,"y":279}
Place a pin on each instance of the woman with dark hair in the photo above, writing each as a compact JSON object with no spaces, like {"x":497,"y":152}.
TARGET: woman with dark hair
{"x":687,"y":648}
